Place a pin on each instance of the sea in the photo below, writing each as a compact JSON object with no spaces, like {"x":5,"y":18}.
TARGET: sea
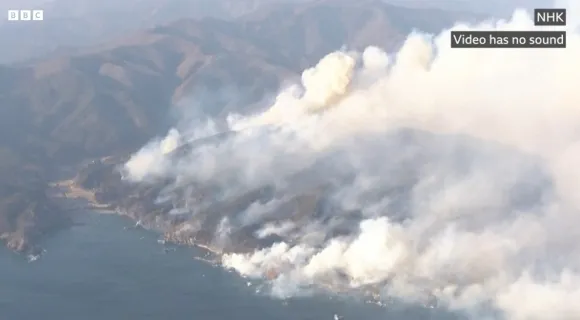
{"x":103,"y":269}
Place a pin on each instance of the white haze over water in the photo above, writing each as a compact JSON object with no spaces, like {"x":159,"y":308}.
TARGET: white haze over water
{"x":462,"y":241}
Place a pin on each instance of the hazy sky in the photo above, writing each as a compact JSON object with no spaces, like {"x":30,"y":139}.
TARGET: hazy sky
{"x":91,"y":14}
{"x":477,"y":4}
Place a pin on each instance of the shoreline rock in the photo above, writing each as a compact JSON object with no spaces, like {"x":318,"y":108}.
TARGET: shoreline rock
{"x":211,"y":253}
{"x":171,"y":233}
{"x":29,"y":218}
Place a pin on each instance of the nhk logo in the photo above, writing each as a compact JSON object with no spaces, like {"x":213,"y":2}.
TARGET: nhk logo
{"x":26,"y":15}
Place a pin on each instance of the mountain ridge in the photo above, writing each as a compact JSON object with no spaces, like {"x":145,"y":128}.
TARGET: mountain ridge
{"x":110,"y":99}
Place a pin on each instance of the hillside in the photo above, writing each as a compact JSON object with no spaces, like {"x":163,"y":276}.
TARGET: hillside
{"x":112,"y":98}
{"x":26,"y":211}
{"x":69,"y":24}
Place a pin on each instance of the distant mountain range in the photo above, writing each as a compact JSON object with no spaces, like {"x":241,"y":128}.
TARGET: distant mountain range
{"x":72,"y":23}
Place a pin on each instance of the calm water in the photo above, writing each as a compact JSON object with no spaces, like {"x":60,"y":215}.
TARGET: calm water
{"x":98,"y":270}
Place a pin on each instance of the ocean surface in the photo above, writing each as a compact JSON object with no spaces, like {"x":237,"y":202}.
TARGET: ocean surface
{"x":103,"y":269}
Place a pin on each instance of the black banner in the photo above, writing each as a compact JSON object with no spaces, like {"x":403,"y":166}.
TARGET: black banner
{"x":508,"y":39}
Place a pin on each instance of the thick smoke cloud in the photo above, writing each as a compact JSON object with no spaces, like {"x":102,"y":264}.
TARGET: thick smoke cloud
{"x":445,"y":172}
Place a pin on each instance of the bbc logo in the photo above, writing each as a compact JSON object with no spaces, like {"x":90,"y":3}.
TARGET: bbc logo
{"x":25,"y":15}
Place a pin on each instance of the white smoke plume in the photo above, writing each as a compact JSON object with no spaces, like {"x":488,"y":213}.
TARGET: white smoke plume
{"x":151,"y":160}
{"x":461,"y":163}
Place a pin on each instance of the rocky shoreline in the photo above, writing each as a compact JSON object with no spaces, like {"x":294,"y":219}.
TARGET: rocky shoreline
{"x":87,"y":191}
{"x":87,"y":199}
{"x":30,"y":218}
{"x":172,"y":231}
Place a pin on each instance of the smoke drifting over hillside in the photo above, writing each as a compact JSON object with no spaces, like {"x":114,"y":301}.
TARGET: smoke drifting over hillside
{"x":452,"y":172}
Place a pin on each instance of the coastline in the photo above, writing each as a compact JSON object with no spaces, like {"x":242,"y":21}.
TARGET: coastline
{"x":70,"y":190}
{"x":209,"y":254}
